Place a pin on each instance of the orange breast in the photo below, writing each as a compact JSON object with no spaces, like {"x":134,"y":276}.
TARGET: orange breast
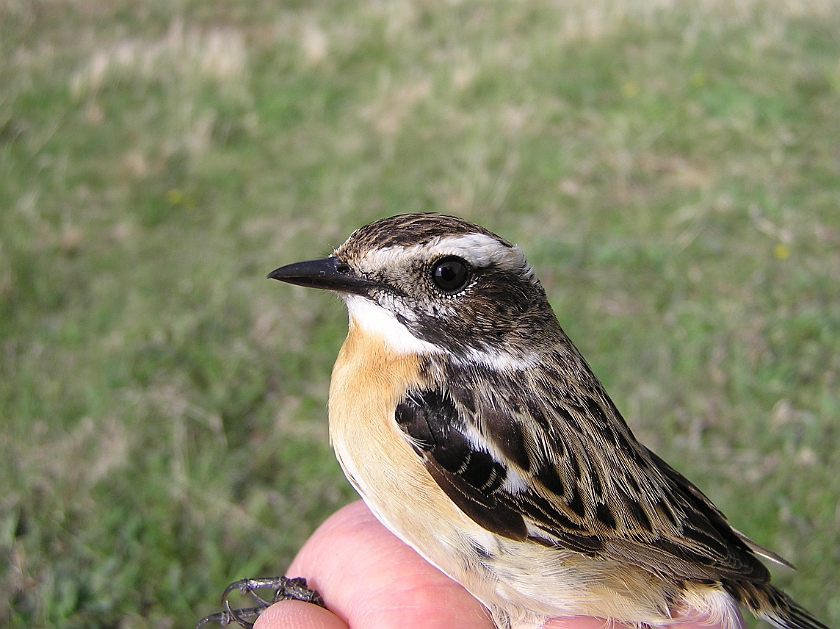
{"x":368,"y":381}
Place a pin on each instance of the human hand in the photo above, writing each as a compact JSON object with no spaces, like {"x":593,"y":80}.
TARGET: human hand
{"x":372,"y":580}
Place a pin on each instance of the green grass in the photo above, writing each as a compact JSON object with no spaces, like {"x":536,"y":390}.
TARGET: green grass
{"x":671,"y":170}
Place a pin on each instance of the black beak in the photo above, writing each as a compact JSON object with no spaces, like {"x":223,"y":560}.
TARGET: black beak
{"x":326,"y":273}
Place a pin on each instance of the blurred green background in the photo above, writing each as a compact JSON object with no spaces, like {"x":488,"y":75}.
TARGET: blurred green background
{"x":672,"y":170}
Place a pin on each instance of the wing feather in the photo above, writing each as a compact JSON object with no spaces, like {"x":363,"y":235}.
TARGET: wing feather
{"x":532,"y":455}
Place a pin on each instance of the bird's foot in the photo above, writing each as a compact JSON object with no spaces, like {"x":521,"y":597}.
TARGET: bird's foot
{"x":284,"y":589}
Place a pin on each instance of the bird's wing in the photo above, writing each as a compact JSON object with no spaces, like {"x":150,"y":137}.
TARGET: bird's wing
{"x":537,"y":456}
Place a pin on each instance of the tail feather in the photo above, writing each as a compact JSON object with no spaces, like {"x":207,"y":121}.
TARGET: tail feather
{"x":794,"y":616}
{"x":771,"y":604}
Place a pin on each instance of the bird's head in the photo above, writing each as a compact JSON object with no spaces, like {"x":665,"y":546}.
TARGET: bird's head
{"x":431,"y":283}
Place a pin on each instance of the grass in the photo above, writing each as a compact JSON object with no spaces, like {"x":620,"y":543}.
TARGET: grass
{"x":671,"y":169}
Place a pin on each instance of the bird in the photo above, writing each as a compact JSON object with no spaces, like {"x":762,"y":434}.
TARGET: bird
{"x":477,"y":433}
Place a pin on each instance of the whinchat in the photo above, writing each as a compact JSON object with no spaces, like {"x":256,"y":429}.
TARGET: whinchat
{"x":476,"y":432}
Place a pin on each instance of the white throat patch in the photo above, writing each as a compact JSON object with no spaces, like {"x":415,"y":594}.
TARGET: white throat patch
{"x":375,"y":319}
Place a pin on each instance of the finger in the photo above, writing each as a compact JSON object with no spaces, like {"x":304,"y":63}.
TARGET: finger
{"x":298,"y":615}
{"x":369,"y":578}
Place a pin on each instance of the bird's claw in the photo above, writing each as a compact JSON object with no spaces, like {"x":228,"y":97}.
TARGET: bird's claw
{"x":284,"y":589}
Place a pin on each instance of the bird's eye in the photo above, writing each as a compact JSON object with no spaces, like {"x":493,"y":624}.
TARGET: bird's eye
{"x":450,"y":274}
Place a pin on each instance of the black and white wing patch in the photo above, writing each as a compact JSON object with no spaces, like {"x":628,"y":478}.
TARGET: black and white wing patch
{"x":471,"y":477}
{"x":530,"y":475}
{"x":475,"y":480}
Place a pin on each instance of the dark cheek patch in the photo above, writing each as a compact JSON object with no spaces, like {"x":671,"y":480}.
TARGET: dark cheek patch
{"x":497,"y":308}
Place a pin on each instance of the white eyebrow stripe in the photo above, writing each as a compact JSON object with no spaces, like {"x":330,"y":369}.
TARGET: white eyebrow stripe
{"x":479,"y":250}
